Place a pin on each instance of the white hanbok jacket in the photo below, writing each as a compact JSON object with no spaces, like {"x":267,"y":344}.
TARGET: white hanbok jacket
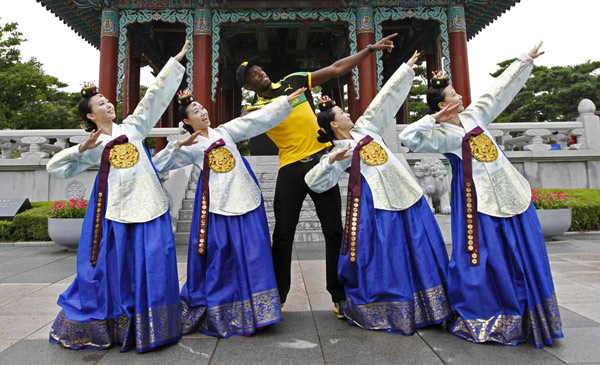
{"x":392,"y":185}
{"x":135,"y":194}
{"x":233,"y":192}
{"x":501,"y":190}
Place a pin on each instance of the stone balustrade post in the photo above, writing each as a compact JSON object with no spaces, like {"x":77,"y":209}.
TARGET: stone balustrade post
{"x":7,"y":148}
{"x":537,"y":140}
{"x":35,"y":148}
{"x":61,"y":142}
{"x":591,"y":125}
{"x":498,"y":136}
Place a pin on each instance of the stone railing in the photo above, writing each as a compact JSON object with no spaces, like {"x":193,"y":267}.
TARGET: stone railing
{"x":35,"y":143}
{"x":545,"y":136}
{"x":575,"y":167}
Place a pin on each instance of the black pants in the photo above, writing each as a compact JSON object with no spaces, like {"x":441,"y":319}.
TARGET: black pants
{"x":290,"y":192}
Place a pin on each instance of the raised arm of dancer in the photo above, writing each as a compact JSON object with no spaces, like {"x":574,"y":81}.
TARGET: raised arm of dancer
{"x":425,"y":135}
{"x":178,"y":154}
{"x":252,"y":124}
{"x":158,"y":96}
{"x":504,"y":89}
{"x":328,"y":172}
{"x":381,"y":111}
{"x":74,"y":160}
{"x":343,"y":66}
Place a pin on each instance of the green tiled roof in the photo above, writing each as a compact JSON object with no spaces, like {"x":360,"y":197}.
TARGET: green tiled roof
{"x":85,"y":20}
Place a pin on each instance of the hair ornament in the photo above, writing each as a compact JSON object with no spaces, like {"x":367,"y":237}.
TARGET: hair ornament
{"x":89,"y":89}
{"x":326,"y":103}
{"x":440,"y":79}
{"x":185,"y":97}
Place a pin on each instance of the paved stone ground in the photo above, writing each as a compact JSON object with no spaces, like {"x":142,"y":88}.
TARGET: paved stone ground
{"x":31,"y":278}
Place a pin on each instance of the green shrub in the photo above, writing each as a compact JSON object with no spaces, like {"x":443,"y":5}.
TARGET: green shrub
{"x":32,"y":225}
{"x":585,"y":207}
{"x":6,"y":231}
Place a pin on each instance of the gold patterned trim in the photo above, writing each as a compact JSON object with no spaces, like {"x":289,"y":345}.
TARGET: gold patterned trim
{"x":539,"y":325}
{"x":483,"y":148}
{"x":98,"y":334}
{"x":428,"y":307}
{"x":123,"y":156}
{"x":373,"y":154}
{"x":157,"y":326}
{"x":221,"y":160}
{"x":233,"y":318}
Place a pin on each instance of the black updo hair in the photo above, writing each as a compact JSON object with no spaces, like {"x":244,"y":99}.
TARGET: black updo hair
{"x":434,"y":97}
{"x":324,"y":119}
{"x":182,"y":113}
{"x":83,"y":109}
{"x":435,"y":93}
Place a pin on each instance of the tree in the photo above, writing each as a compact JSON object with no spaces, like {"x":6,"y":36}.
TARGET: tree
{"x":29,"y":98}
{"x":552,"y":93}
{"x":416,"y":104}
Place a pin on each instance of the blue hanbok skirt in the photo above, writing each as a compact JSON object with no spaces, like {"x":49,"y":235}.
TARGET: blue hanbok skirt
{"x":509,"y":298}
{"x":398,"y":281}
{"x":131,"y":296}
{"x":231,"y":290}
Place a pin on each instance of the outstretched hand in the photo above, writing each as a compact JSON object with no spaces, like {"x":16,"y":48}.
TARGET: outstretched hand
{"x":535,"y":52}
{"x":183,"y":51}
{"x":413,"y":59}
{"x":189,"y":141}
{"x":339,"y":155}
{"x":384,"y":43}
{"x":296,"y":94}
{"x":446,"y":113}
{"x":91,"y":141}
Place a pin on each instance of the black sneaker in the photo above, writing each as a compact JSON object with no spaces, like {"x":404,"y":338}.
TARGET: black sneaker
{"x":338,"y":308}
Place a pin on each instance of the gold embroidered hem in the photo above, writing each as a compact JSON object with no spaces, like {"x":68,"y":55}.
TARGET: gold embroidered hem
{"x":428,"y":307}
{"x":99,"y":334}
{"x":538,"y":326}
{"x":230,"y":319}
{"x":157,"y":327}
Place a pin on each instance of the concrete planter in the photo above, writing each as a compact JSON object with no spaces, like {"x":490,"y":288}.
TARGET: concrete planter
{"x":554,"y":222}
{"x":65,"y":231}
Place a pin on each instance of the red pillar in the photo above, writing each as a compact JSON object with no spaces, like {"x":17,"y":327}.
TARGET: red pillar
{"x":366,"y":70}
{"x":202,"y":58}
{"x":459,"y":61}
{"x":109,"y":48}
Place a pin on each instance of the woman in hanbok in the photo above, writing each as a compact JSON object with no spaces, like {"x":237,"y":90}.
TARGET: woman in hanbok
{"x":393,"y":259}
{"x":126,"y":290}
{"x":499,"y":279}
{"x":230,"y":287}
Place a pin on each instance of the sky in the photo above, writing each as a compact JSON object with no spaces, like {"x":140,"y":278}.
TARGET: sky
{"x":568,"y":28}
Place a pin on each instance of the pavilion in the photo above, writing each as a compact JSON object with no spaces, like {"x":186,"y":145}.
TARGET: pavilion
{"x":288,"y":36}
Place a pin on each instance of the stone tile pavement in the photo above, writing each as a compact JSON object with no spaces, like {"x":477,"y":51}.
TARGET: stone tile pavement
{"x":31,"y":278}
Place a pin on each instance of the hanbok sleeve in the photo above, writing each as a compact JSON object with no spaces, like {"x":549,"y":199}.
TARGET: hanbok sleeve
{"x":381,"y":111}
{"x":173,"y":157}
{"x":425,"y":136}
{"x":504,"y":89}
{"x":157,"y":98}
{"x":70,"y":162}
{"x":258,"y":122}
{"x":323,"y":176}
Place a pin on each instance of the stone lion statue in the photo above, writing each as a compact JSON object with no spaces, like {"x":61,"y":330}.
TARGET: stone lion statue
{"x":431,"y":174}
